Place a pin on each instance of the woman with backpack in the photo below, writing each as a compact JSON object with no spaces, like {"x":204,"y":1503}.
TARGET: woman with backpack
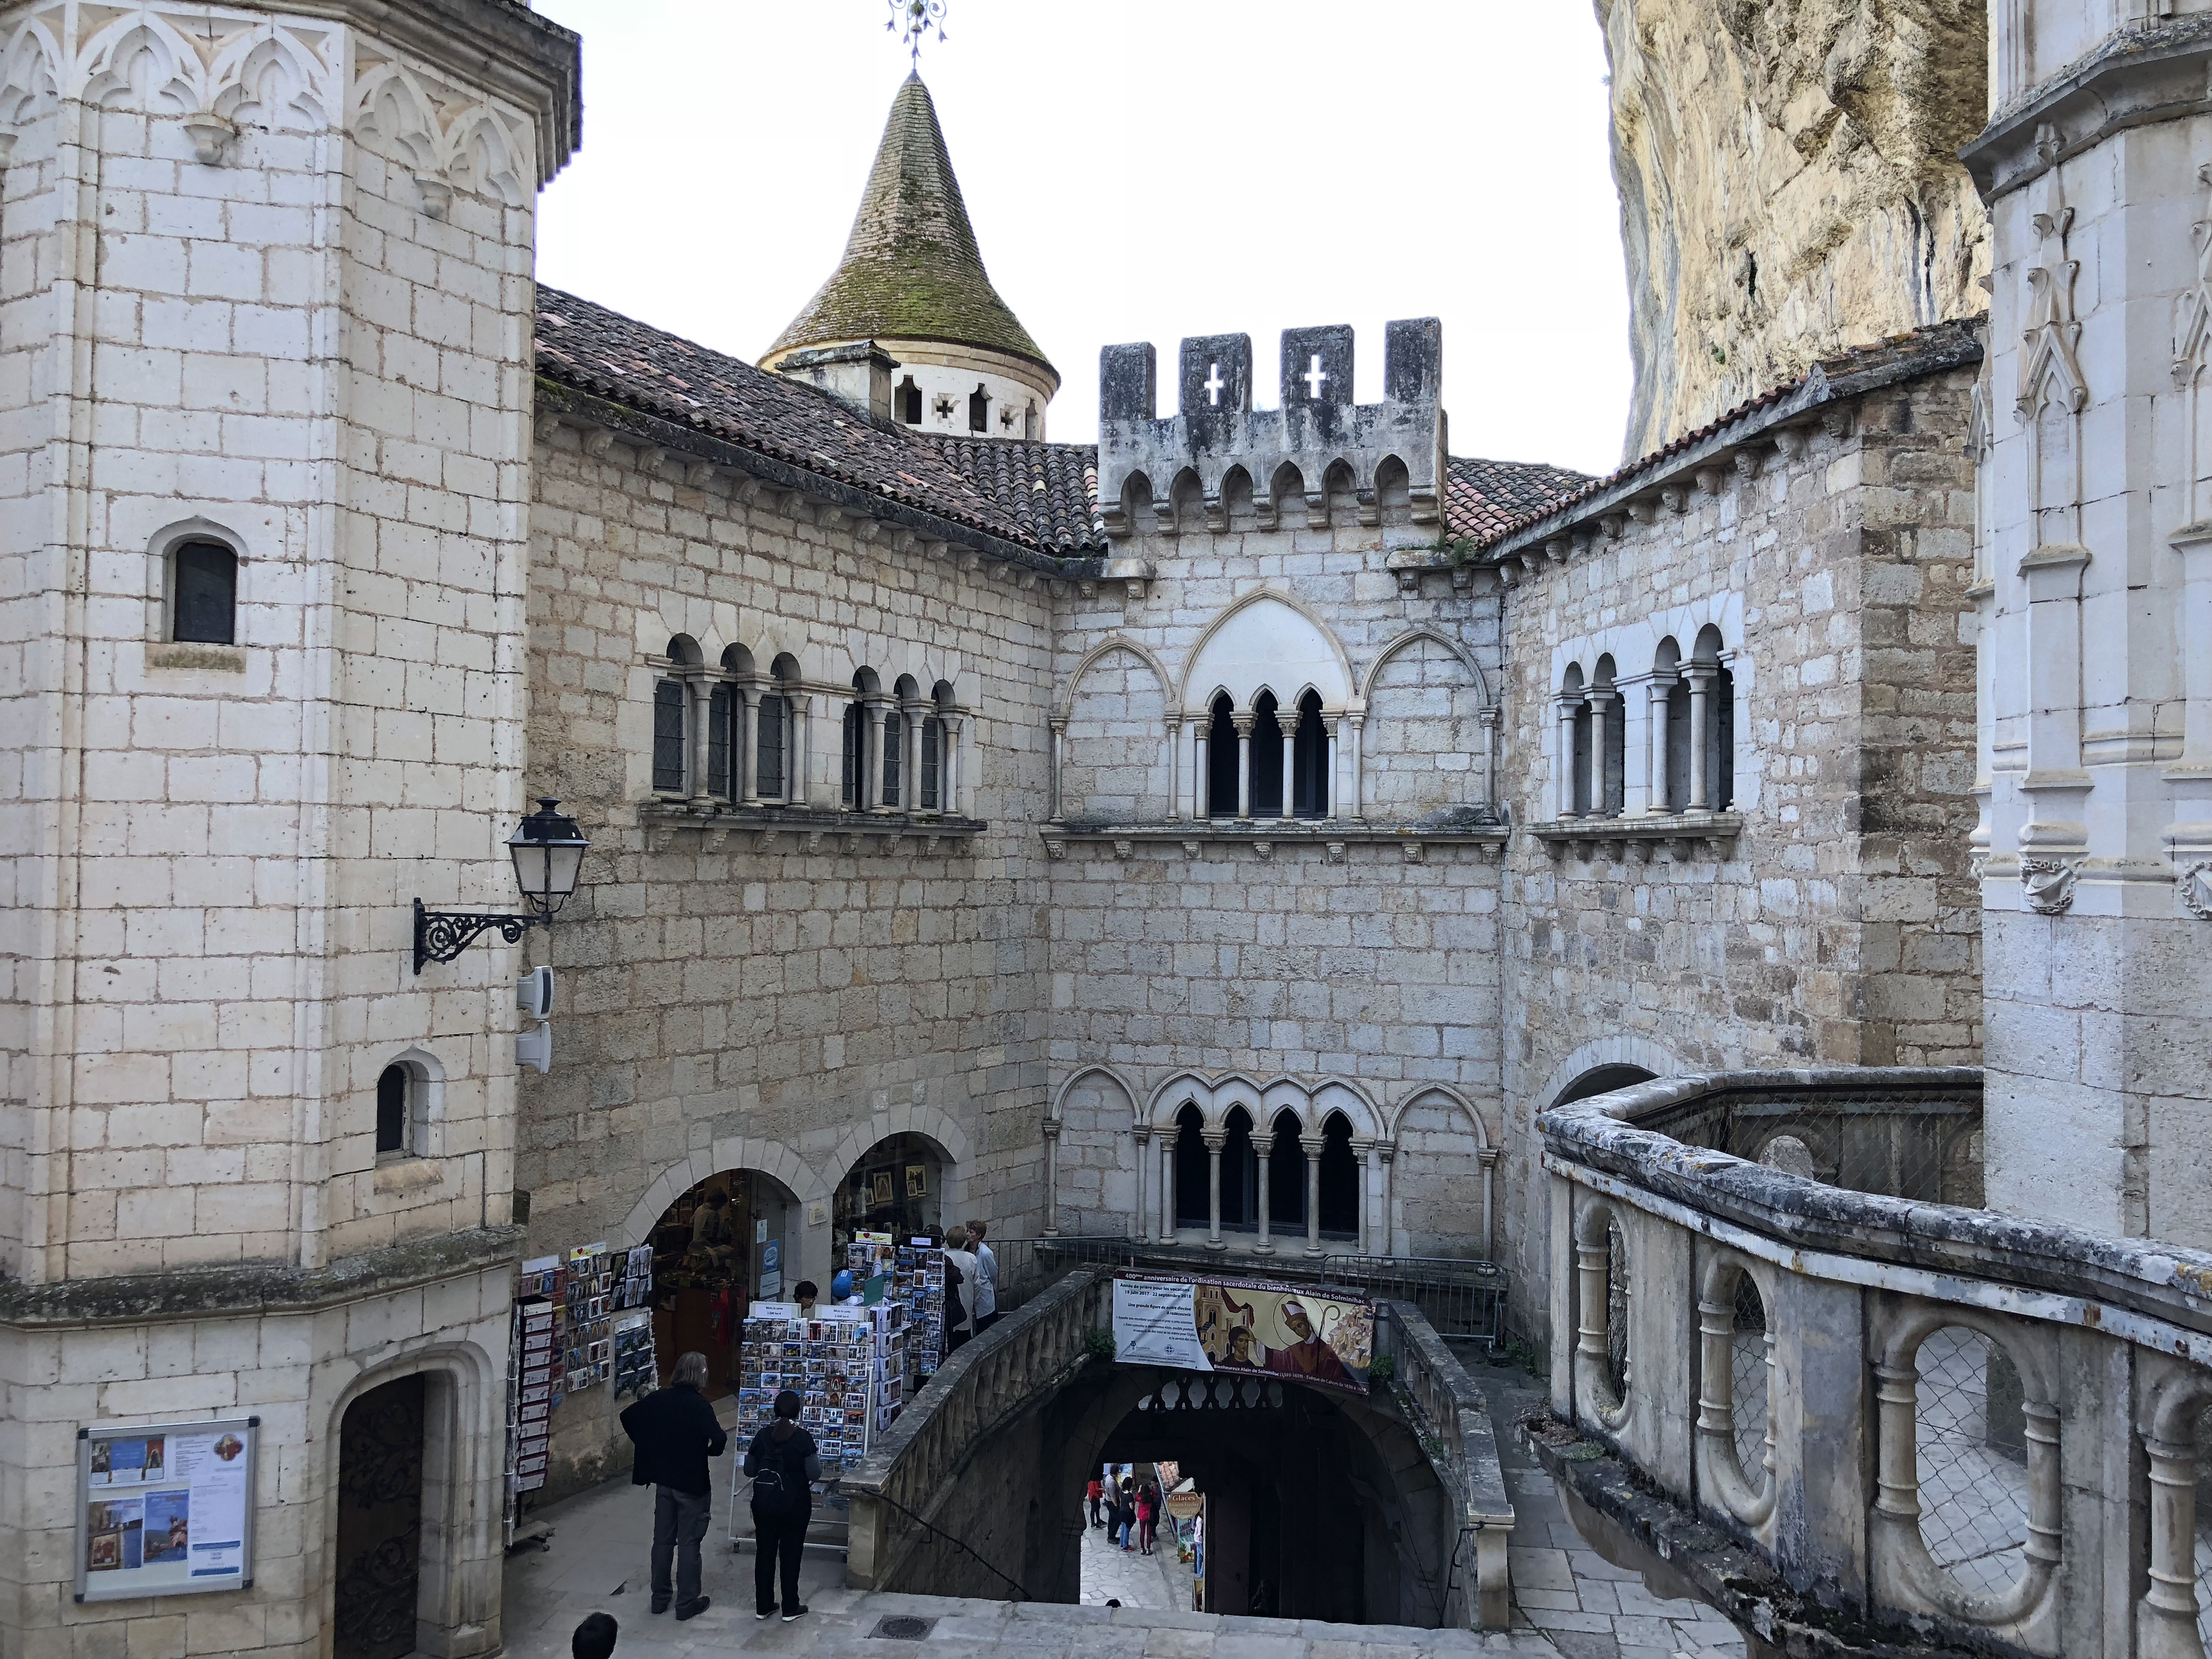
{"x":784,"y":1464}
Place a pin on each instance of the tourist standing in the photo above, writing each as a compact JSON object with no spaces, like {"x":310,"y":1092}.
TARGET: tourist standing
{"x":1147,"y":1498}
{"x":1095,"y":1495}
{"x":985,"y":1303}
{"x":959,"y":1260}
{"x":675,"y":1431}
{"x":784,"y":1465}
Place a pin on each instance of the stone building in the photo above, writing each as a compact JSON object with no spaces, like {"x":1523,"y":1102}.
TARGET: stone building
{"x":1233,"y":836}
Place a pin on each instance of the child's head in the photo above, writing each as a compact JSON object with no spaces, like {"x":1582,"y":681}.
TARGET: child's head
{"x":594,"y":1638}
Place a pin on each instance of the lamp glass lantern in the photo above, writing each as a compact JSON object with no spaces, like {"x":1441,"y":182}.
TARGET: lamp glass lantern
{"x":548,"y":850}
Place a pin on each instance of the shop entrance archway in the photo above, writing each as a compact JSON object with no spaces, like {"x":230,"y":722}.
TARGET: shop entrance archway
{"x":730,"y":1240}
{"x":897,"y":1187}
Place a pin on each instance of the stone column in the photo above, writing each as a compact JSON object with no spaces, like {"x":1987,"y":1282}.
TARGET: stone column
{"x":1059,"y":749}
{"x":1375,"y":1219}
{"x":1331,"y":784}
{"x":1700,"y":676}
{"x":1244,"y":768}
{"x":1290,"y":768}
{"x":1312,"y":1145}
{"x":1142,"y":1133}
{"x":1487,"y":1156}
{"x":1357,"y":794}
{"x":910,"y":772}
{"x":746,"y":752}
{"x":698,"y":694}
{"x":1214,"y":1139}
{"x":1201,"y":802}
{"x":1601,"y":704}
{"x":1265,"y":1246}
{"x":2168,"y":1619}
{"x":1489,"y":717}
{"x":1564,"y":707}
{"x":872,"y":791}
{"x":1657,"y":694}
{"x":1175,"y":769}
{"x":1052,"y":1177}
{"x":953,"y":789}
{"x":1168,"y":1139}
{"x":794,"y":746}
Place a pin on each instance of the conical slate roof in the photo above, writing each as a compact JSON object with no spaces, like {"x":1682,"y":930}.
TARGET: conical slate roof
{"x":911,"y":269}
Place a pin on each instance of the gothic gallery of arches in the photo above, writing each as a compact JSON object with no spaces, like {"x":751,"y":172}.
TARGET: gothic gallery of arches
{"x":1269,"y":1166}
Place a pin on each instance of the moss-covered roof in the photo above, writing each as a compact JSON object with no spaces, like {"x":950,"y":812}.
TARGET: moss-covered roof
{"x":911,"y":269}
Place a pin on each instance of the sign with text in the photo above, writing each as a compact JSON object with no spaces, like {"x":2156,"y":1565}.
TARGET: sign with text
{"x":165,"y":1508}
{"x":1244,"y":1327}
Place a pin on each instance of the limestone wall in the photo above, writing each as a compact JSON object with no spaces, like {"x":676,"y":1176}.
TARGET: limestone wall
{"x":1789,"y":186}
{"x":725,"y":1003}
{"x":1840,"y":926}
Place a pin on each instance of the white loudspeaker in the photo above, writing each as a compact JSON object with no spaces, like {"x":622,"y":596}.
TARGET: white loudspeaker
{"x":535,"y":1047}
{"x":534,"y":993}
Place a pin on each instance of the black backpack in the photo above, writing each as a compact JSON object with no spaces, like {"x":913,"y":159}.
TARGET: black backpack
{"x":781,"y":1487}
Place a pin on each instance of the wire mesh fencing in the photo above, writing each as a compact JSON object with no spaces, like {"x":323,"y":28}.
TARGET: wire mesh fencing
{"x":1750,"y":1372}
{"x":1969,"y":1432}
{"x":2204,"y":1437}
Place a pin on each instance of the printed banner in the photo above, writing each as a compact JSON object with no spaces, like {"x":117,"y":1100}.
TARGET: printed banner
{"x":1247,"y":1328}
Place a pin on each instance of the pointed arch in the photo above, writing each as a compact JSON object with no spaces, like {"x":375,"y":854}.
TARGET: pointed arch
{"x":1053,"y":1113}
{"x":1327,"y":653}
{"x":1436,"y":636}
{"x":1106,"y":646}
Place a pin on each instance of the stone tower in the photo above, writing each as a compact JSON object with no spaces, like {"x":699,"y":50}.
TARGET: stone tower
{"x":265,"y":451}
{"x":948,"y":355}
{"x":2095,"y":589}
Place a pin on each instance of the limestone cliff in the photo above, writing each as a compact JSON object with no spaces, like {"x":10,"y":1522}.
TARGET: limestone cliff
{"x":1788,"y":187}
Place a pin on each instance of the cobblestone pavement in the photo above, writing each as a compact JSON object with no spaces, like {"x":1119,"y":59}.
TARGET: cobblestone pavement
{"x":1569,"y":1600}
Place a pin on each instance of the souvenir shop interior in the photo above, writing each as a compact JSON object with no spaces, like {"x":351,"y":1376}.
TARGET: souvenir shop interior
{"x":716,"y":1250}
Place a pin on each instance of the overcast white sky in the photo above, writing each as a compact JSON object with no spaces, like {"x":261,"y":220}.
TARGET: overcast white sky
{"x":1141,"y":170}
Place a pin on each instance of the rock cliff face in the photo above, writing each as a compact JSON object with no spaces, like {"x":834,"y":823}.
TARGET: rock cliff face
{"x":1788,"y":187}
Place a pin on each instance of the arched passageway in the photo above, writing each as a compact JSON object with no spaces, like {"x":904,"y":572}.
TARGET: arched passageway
{"x":730,"y":1239}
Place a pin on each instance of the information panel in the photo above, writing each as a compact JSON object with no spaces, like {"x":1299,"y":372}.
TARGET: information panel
{"x":165,"y":1508}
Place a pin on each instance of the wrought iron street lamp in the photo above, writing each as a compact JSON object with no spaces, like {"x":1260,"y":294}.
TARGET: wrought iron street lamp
{"x":548,"y":850}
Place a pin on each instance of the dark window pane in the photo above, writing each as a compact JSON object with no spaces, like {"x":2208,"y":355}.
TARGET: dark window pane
{"x":856,"y":727}
{"x":773,"y":712}
{"x":1266,"y":763}
{"x":1720,"y":764}
{"x":931,"y":739}
{"x":206,"y":608}
{"x":1310,"y":762}
{"x":668,"y":737}
{"x":719,"y":733}
{"x":979,"y":411}
{"x":893,"y":755}
{"x":1339,"y":1181}
{"x":392,"y":1109}
{"x":1221,"y":743}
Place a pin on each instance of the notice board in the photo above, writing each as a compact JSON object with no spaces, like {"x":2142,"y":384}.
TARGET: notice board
{"x":165,"y":1508}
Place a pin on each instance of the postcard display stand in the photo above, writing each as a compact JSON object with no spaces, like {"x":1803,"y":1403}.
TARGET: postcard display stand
{"x":579,"y":1321}
{"x":914,"y":1277}
{"x":165,"y":1508}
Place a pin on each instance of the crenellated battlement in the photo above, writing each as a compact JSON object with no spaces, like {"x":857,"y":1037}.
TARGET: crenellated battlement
{"x":1202,"y":467}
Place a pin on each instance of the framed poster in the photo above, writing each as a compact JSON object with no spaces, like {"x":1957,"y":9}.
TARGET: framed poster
{"x":165,"y":1508}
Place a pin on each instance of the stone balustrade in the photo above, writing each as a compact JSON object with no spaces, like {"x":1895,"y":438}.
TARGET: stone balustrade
{"x":1452,"y":1421}
{"x":898,"y":1539}
{"x":1872,"y":1416}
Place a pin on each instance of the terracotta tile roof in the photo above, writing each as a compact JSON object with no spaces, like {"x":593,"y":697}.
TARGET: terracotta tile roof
{"x":1481,"y":498}
{"x":1923,"y":351}
{"x":1052,"y":488}
{"x":601,"y":352}
{"x":911,"y":269}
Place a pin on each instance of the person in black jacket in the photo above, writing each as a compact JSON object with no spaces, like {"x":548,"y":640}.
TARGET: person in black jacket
{"x":675,"y":1431}
{"x":784,"y":1464}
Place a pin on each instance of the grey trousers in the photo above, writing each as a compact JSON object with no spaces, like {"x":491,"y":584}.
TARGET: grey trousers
{"x":679,"y":1522}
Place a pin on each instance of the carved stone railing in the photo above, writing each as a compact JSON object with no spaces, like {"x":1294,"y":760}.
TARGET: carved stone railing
{"x":1853,"y":1420}
{"x":899,"y":1487}
{"x":1450,"y":1417}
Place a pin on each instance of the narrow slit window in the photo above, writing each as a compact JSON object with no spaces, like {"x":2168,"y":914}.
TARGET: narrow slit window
{"x":856,"y":727}
{"x":668,"y":737}
{"x":204,"y":594}
{"x":391,"y":1103}
{"x":894,"y":753}
{"x":978,"y":410}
